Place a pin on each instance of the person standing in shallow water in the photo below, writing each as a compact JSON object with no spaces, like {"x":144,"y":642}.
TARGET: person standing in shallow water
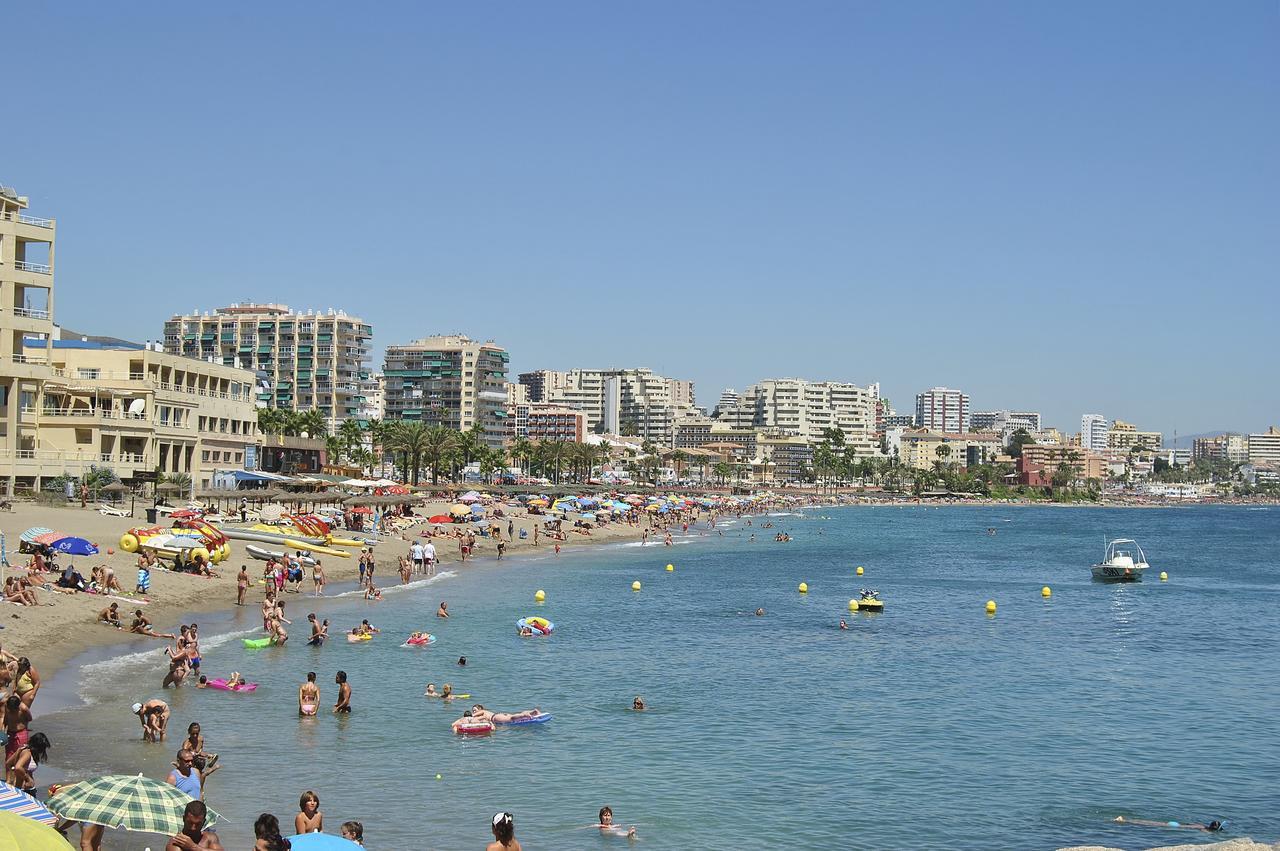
{"x":344,"y":693}
{"x":309,"y":696}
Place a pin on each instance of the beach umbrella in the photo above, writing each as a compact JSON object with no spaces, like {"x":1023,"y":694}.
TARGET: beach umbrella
{"x":459,"y":510}
{"x":14,"y":800}
{"x":539,"y":503}
{"x":74,"y":546}
{"x":132,"y":802}
{"x":35,"y":532}
{"x":469,"y":497}
{"x":477,"y":509}
{"x":30,"y":835}
{"x":440,"y":518}
{"x":115,"y":487}
{"x":321,"y":842}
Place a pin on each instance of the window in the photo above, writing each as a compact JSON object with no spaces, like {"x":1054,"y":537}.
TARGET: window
{"x":204,"y":456}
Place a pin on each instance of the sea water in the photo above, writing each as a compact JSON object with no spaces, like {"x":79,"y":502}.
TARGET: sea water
{"x":930,"y":725}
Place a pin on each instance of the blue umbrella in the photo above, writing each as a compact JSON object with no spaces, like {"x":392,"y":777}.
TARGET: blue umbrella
{"x":75,"y":547}
{"x":22,"y":804}
{"x":321,"y":842}
{"x":477,"y":509}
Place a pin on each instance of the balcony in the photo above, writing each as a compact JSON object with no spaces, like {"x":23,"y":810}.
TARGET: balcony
{"x":28,"y":220}
{"x":30,"y":313}
{"x":39,"y":268}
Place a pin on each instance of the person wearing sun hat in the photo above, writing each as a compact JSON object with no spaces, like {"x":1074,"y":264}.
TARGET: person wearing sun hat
{"x":504,"y":833}
{"x":154,"y":715}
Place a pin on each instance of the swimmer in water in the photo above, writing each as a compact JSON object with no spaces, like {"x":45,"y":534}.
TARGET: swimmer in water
{"x":638,"y":704}
{"x":431,"y":691}
{"x":607,"y":826}
{"x":760,"y":612}
{"x":843,"y":625}
{"x":1210,"y":827}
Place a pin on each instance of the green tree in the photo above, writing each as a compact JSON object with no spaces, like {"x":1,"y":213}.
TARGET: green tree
{"x":439,"y":448}
{"x":1020,"y":438}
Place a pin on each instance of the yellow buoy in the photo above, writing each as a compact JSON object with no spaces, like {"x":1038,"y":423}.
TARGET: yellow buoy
{"x":853,"y":605}
{"x":859,"y":571}
{"x":670,"y":568}
{"x":1046,"y":591}
{"x":991,"y":607}
{"x":540,"y":595}
{"x":1164,"y":577}
{"x":439,"y":777}
{"x":635,"y":586}
{"x":804,"y":588}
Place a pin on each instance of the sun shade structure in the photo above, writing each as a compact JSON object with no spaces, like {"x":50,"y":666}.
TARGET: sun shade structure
{"x":30,"y":835}
{"x":13,"y":800}
{"x":132,"y":802}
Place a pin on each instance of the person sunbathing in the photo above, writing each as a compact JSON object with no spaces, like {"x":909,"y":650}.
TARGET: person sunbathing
{"x":478,"y":711}
{"x":15,"y":593}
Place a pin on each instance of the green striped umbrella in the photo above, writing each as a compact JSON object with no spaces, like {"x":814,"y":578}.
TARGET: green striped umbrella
{"x":130,"y":801}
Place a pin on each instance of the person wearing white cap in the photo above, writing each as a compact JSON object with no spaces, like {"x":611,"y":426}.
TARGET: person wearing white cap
{"x":154,"y":715}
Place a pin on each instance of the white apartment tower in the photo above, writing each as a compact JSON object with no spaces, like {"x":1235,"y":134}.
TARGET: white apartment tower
{"x":1093,"y":432}
{"x":449,"y":380}
{"x":798,"y":408}
{"x":303,"y":360}
{"x":943,"y":409}
{"x":616,"y":401}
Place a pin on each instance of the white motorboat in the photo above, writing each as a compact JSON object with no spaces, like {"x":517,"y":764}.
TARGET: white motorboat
{"x":1123,"y":561}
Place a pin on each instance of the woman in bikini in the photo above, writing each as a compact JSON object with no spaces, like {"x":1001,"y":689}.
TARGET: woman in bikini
{"x":242,"y":584}
{"x":309,"y":695}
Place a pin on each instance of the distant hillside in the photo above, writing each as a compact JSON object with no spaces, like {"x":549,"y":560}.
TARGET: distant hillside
{"x":1184,"y":440}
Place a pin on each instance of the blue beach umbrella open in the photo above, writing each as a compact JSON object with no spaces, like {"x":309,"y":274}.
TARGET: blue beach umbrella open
{"x":321,"y":842}
{"x":74,"y":546}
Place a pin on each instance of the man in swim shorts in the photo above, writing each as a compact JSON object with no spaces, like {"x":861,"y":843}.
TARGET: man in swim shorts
{"x":154,"y":715}
{"x":1209,"y":827}
{"x":309,"y":695}
{"x":344,"y":693}
{"x":319,"y":632}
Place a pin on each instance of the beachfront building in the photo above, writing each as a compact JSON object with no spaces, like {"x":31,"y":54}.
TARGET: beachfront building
{"x":808,"y":409}
{"x":26,"y":332}
{"x":136,"y":410}
{"x":1233,"y":448}
{"x":728,"y":398}
{"x":1125,"y":436}
{"x":633,"y":401}
{"x":544,"y":421}
{"x":1093,"y":432}
{"x":1005,"y":421}
{"x":1265,"y":448}
{"x":304,"y":360}
{"x":922,"y":449}
{"x":373,"y":396}
{"x":449,"y":380}
{"x":1038,"y":464}
{"x":782,"y":459}
{"x":943,"y":409}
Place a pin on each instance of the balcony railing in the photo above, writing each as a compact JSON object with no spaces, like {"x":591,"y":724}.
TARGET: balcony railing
{"x":24,"y":266}
{"x":38,"y":360}
{"x":28,"y":220}
{"x":44,"y":455}
{"x":30,"y":313}
{"x":86,"y":413}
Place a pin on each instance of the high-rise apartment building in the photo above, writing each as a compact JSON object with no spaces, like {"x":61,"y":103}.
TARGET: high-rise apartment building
{"x":26,"y":316}
{"x":1265,"y":448}
{"x":807,"y":409}
{"x":1125,"y":436}
{"x":1005,"y":420}
{"x":1093,"y":432}
{"x":373,"y":396}
{"x":616,"y":401}
{"x":728,"y":398}
{"x":943,"y":409}
{"x":1233,"y":448}
{"x":449,"y":380}
{"x":304,"y":361}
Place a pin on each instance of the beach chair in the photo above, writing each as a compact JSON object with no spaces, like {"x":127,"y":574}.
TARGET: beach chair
{"x":112,"y":511}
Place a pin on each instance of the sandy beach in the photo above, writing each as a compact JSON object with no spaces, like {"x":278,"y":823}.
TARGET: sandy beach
{"x":64,"y":625}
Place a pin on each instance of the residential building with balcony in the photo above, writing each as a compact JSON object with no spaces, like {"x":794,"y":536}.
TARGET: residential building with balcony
{"x":135,"y":410}
{"x":26,"y":326}
{"x":304,"y":360}
{"x":1265,"y":448}
{"x":1093,"y":432}
{"x":1233,"y":448}
{"x":921,"y":449}
{"x":808,"y":409}
{"x":373,"y":396}
{"x":1125,"y":436}
{"x":449,"y":380}
{"x":545,"y":421}
{"x":943,"y":409}
{"x":632,"y":401}
{"x":1038,"y":464}
{"x":782,"y":459}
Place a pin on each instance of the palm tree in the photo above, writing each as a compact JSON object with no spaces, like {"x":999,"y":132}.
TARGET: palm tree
{"x":522,"y":451}
{"x":408,"y":437}
{"x":723,"y":469}
{"x":438,"y":450}
{"x":677,"y":458}
{"x":351,"y":433}
{"x":556,"y":453}
{"x":334,"y":449}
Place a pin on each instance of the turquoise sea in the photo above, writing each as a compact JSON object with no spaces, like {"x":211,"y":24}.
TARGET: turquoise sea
{"x":929,"y":726}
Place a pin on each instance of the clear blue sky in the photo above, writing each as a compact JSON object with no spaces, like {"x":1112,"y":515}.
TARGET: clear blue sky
{"x":1070,"y":207}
